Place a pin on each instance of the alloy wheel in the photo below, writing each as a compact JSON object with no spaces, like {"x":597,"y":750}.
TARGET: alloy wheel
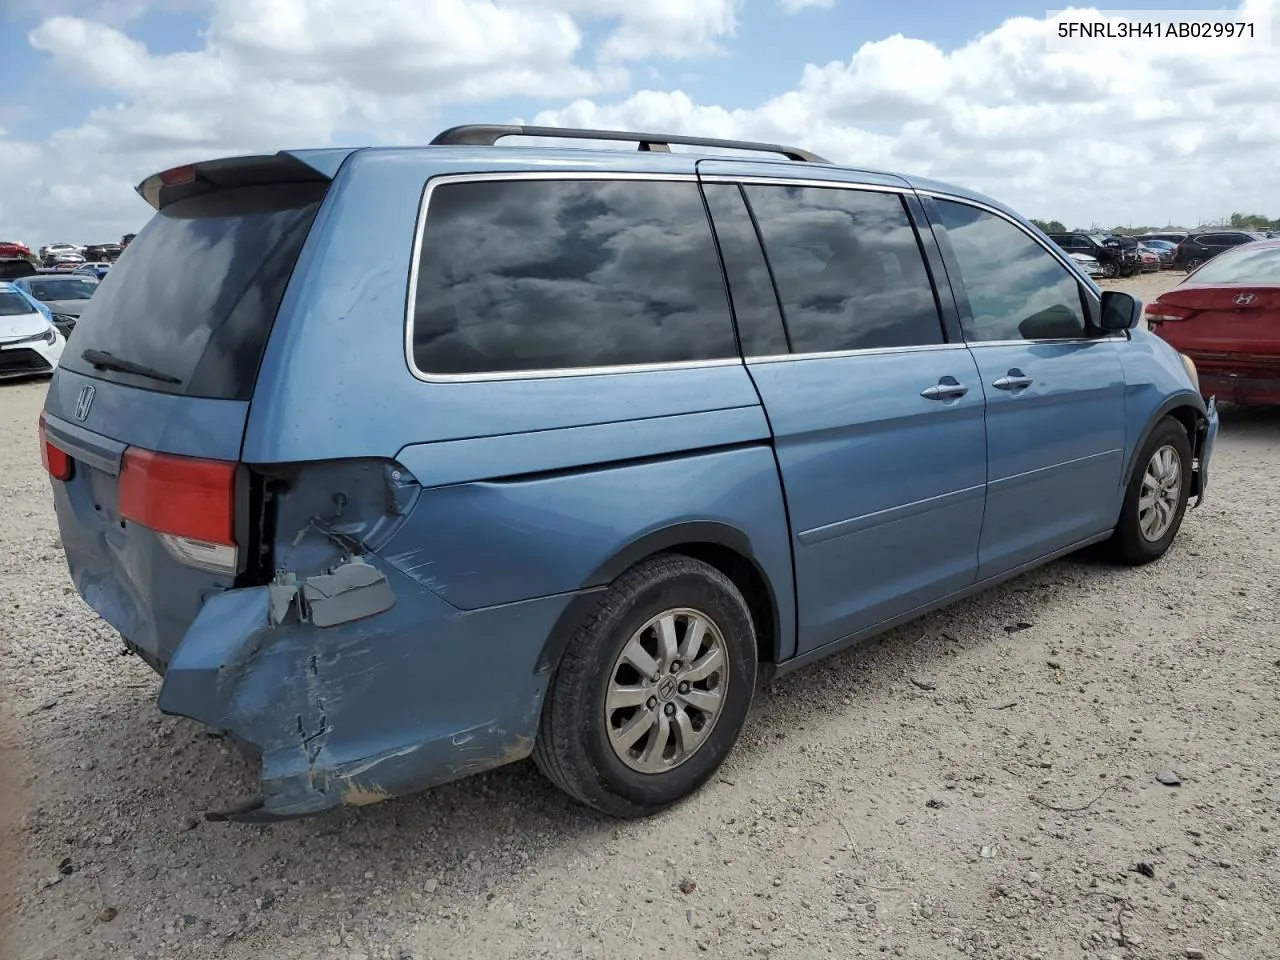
{"x":666,"y":690}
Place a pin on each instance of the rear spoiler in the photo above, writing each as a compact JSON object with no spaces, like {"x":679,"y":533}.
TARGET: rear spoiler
{"x":208,"y":176}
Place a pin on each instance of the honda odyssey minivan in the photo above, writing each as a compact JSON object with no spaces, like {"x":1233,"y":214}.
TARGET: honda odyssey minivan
{"x":400,"y":464}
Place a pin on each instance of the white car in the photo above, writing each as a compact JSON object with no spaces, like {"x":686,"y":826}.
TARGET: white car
{"x":1090,"y":264}
{"x":51,"y":250}
{"x":30,"y":345}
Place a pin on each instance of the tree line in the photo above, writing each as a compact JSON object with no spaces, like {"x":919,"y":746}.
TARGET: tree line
{"x":1237,"y":221}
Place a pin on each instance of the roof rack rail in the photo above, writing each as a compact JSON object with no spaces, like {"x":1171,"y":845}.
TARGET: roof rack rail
{"x":488,"y":134}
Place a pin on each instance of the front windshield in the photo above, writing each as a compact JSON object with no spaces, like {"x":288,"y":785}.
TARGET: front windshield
{"x":14,"y":305}
{"x":1260,"y":265}
{"x":1098,"y":238}
{"x":62,"y":288}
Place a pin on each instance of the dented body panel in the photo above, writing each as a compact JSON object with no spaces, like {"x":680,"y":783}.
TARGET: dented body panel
{"x":364,"y":710}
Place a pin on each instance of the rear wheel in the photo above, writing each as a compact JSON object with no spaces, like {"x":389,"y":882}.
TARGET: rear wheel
{"x":1156,"y":499}
{"x":652,"y":691}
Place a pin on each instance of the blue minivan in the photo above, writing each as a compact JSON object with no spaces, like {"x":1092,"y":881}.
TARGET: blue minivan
{"x":400,"y":464}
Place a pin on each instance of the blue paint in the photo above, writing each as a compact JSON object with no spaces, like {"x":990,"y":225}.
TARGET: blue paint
{"x":499,"y":511}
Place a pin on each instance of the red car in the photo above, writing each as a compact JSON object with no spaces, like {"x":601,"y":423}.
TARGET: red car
{"x":1226,"y":317}
{"x":12,"y":249}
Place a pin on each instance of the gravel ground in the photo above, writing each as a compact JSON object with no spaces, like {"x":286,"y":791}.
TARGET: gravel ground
{"x":981,"y":783}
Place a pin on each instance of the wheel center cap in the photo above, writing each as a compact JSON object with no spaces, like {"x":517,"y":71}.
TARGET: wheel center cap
{"x":667,"y":688}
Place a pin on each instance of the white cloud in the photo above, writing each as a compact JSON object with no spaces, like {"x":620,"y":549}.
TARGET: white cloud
{"x":1154,"y":133}
{"x":1080,"y":136}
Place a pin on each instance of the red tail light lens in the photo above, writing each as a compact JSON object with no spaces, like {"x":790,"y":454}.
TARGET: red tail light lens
{"x":182,"y":496}
{"x":56,"y":461}
{"x":1163,"y":313}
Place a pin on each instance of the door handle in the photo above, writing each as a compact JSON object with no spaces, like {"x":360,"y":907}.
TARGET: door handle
{"x":1015,"y":379}
{"x":948,"y":388}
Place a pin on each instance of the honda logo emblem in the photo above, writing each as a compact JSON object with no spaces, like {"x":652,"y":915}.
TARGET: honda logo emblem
{"x":1244,"y":299}
{"x":84,"y":401}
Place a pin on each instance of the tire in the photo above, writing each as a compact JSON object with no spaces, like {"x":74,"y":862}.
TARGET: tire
{"x":574,"y":748}
{"x":1109,"y":271}
{"x":1131,"y":544}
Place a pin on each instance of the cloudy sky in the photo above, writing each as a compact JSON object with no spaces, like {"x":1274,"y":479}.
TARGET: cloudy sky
{"x":101,"y":94}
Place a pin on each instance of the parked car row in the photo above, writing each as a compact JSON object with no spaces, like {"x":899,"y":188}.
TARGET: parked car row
{"x":1112,"y":255}
{"x":1115,"y":256}
{"x":56,"y":253}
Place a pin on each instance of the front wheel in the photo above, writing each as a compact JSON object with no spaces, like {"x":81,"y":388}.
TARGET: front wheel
{"x":652,"y":692}
{"x":1109,"y":271}
{"x":1156,"y":500}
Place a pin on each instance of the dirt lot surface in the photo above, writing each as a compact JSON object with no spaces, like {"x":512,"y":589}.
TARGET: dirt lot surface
{"x":981,"y":783}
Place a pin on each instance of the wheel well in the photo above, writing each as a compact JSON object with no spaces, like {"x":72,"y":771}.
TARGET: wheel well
{"x":1189,"y":417}
{"x":748,"y":579}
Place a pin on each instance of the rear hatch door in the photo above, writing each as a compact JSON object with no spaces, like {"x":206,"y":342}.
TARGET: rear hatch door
{"x":145,"y":416}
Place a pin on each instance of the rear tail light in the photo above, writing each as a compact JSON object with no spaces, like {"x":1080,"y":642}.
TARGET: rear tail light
{"x":1158,"y":313}
{"x":56,"y":461}
{"x":189,"y":502}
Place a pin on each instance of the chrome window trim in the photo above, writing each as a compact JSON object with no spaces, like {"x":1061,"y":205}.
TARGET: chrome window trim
{"x":747,"y":179}
{"x":978,"y":344}
{"x":863,"y":352}
{"x":545,"y":374}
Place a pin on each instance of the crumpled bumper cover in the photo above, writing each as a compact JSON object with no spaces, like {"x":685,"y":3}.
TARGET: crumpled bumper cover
{"x":1207,"y":437}
{"x":354,"y":713}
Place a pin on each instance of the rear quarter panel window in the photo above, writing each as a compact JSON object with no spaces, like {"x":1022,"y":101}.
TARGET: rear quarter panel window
{"x":848,"y":268}
{"x":196,"y":294}
{"x":528,"y":275}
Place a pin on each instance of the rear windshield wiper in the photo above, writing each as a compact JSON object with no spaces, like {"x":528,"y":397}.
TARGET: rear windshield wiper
{"x":105,"y":361}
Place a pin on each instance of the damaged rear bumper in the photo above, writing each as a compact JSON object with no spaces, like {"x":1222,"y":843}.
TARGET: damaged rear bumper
{"x":410,"y":695}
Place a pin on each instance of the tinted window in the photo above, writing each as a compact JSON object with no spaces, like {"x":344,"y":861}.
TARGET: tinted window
{"x":1017,"y":289}
{"x":848,"y":268}
{"x":14,"y":305}
{"x":755,"y":305}
{"x":555,"y":274}
{"x":197,"y":295}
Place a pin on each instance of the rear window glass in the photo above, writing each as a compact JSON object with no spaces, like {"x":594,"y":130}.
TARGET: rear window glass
{"x":1242,"y":266}
{"x":196,"y":295}
{"x":14,"y":305}
{"x":530,"y":275}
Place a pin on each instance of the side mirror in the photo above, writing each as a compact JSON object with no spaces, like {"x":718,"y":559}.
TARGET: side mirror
{"x":1120,"y":311}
